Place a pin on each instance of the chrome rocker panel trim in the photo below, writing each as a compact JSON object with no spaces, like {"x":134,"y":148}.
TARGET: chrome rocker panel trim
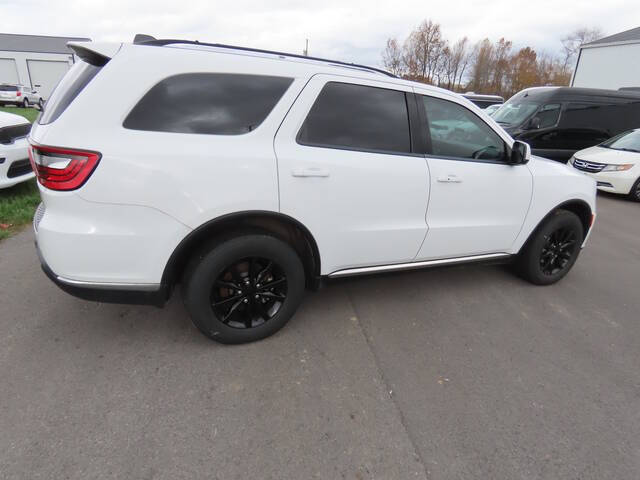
{"x":416,"y":265}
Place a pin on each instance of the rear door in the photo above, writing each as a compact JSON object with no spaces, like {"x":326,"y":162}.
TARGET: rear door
{"x":478,"y":202}
{"x":350,"y":172}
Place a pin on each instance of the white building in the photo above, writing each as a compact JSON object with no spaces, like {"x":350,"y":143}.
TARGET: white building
{"x":611,"y":62}
{"x":35,"y":61}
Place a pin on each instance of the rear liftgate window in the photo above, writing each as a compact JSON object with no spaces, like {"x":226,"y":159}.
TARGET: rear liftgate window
{"x":208,"y":103}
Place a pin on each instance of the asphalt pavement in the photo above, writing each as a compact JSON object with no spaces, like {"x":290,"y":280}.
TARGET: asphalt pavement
{"x":459,"y":373}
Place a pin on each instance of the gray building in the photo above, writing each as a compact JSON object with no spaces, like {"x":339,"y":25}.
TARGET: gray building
{"x":35,"y":61}
{"x":611,"y":62}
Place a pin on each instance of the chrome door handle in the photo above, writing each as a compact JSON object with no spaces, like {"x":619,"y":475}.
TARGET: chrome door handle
{"x":310,"y":172}
{"x":449,"y":179}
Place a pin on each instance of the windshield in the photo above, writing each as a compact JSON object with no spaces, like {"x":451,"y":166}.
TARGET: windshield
{"x":491,"y":109}
{"x":628,"y":141}
{"x":515,"y":113}
{"x":8,"y":88}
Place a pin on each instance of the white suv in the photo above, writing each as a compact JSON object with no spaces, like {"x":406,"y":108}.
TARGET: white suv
{"x":246,"y":175}
{"x":20,"y":96}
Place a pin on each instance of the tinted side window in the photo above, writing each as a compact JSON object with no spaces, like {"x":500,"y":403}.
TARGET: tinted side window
{"x":548,"y":115}
{"x":358,"y":117}
{"x":458,"y":132}
{"x":582,"y":115}
{"x":209,"y":103}
{"x":74,"y":81}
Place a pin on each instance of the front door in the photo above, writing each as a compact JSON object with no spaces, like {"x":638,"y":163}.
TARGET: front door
{"x":478,"y":202}
{"x":348,"y":171}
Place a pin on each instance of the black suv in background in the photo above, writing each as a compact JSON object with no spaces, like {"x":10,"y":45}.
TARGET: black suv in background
{"x":558,"y":121}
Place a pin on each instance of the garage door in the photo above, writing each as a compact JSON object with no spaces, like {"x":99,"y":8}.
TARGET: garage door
{"x":8,"y":71}
{"x":45,"y":75}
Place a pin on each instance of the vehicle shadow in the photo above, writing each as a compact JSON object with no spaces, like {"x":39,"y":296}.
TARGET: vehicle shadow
{"x":80,"y":324}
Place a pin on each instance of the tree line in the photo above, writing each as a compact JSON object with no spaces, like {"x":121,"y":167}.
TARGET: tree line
{"x":484,"y":67}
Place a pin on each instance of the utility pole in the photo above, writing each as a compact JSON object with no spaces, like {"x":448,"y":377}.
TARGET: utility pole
{"x":305,"y":52}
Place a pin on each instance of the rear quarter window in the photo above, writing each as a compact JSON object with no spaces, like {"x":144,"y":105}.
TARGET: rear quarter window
{"x":74,"y":81}
{"x":207,"y":103}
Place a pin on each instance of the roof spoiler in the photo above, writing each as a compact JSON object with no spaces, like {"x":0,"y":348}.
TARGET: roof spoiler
{"x":142,"y":37}
{"x":96,"y":54}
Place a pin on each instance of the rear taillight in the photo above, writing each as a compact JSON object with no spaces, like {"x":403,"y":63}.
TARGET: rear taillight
{"x":18,"y":93}
{"x":62,"y":168}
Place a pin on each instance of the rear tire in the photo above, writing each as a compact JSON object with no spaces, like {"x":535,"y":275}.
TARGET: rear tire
{"x":552,"y":249}
{"x":243,"y":289}
{"x":634,"y":194}
{"x":25,"y":103}
{"x":40,"y":104}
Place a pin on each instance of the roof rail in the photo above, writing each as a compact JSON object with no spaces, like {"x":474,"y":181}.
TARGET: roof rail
{"x":148,"y":40}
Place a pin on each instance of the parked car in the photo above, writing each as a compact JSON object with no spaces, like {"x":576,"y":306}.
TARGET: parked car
{"x":285,"y":171}
{"x":614,"y":164}
{"x":558,"y":121}
{"x":20,"y":96}
{"x":491,"y":109}
{"x":483,"y":101}
{"x":14,"y":159}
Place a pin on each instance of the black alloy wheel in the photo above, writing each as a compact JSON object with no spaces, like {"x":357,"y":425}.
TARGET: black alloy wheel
{"x":552,"y":249}
{"x":249,"y":292}
{"x":243,"y":288}
{"x":558,"y":250}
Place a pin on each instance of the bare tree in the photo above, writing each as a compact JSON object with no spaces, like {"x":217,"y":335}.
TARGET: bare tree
{"x":483,"y":57}
{"x":500,"y":65}
{"x":423,"y":51}
{"x":572,"y":42}
{"x":459,"y":61}
{"x":524,"y":70}
{"x":392,"y":57}
{"x":490,"y":67}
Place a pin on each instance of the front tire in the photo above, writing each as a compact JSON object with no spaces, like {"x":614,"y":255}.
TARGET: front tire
{"x":552,"y":250}
{"x":243,"y":289}
{"x":634,"y":194}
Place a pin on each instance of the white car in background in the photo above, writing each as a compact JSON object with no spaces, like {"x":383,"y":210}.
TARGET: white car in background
{"x":614,"y":164}
{"x":20,"y":96}
{"x":14,"y":156}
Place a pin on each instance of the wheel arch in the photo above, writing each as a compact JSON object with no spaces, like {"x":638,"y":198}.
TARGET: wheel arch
{"x":577,"y":206}
{"x":281,"y":226}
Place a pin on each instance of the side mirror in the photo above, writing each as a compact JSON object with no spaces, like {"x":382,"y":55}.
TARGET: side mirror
{"x":520,"y":153}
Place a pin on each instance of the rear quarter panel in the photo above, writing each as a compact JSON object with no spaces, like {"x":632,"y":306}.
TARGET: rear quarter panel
{"x":191,"y":177}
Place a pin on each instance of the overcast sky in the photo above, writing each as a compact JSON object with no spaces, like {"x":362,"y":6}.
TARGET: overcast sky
{"x":344,"y":30}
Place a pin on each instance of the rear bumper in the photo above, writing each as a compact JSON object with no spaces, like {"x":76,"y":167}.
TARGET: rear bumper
{"x":105,"y":252}
{"x":107,"y":293}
